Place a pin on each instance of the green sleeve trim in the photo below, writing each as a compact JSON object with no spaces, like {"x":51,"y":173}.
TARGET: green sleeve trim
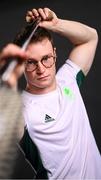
{"x":80,"y":78}
{"x":32,"y":155}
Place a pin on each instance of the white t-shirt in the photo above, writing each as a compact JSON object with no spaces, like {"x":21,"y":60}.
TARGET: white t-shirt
{"x":58,"y":124}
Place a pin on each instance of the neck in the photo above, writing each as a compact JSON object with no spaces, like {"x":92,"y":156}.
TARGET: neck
{"x":37,"y":90}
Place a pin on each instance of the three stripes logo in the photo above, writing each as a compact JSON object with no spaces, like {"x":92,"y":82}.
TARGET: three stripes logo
{"x":48,"y":118}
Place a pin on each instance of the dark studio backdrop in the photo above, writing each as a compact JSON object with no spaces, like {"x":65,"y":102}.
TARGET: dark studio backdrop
{"x":12,"y":18}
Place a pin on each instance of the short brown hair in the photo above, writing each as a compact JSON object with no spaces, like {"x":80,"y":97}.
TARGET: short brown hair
{"x":39,"y":35}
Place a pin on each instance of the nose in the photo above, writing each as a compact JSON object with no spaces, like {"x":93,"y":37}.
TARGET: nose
{"x":40,"y":68}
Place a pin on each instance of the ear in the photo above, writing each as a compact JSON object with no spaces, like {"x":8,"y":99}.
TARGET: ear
{"x":55,"y":52}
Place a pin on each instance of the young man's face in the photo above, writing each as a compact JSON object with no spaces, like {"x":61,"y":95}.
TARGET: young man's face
{"x":42,"y":79}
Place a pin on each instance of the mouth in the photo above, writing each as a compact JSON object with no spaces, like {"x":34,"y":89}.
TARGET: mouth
{"x":43,"y":78}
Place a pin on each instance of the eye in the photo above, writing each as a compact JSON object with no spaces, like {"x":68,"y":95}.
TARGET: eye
{"x":45,"y":58}
{"x":31,"y":62}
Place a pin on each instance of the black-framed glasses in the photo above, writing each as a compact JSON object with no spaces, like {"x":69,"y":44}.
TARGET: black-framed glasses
{"x":47,"y":61}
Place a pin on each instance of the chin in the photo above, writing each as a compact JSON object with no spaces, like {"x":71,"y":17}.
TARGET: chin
{"x":43,"y":86}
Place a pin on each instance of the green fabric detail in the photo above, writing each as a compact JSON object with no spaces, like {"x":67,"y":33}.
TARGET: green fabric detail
{"x":80,"y":78}
{"x":32,"y":154}
{"x":68,"y":92}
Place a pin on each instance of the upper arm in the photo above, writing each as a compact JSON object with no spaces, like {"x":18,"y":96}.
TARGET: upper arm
{"x":83,"y":54}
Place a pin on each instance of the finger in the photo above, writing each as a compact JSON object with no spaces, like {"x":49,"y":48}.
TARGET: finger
{"x":35,"y":13}
{"x":31,"y":15}
{"x":42,"y":13}
{"x":48,"y":13}
{"x":28,"y":19}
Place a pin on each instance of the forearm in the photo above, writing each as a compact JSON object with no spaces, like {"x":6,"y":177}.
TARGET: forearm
{"x":76,"y":32}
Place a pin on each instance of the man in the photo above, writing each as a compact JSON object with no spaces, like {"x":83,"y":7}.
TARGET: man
{"x":56,"y":121}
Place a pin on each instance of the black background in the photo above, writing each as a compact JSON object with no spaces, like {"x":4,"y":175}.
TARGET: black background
{"x":12,"y":18}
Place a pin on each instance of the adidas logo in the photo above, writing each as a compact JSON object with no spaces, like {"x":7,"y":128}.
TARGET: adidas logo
{"x":48,"y":118}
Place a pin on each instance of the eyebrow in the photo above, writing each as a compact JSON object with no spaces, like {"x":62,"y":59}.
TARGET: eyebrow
{"x":41,"y":58}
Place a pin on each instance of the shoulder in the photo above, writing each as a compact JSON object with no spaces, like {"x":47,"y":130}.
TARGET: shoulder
{"x":70,"y":73}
